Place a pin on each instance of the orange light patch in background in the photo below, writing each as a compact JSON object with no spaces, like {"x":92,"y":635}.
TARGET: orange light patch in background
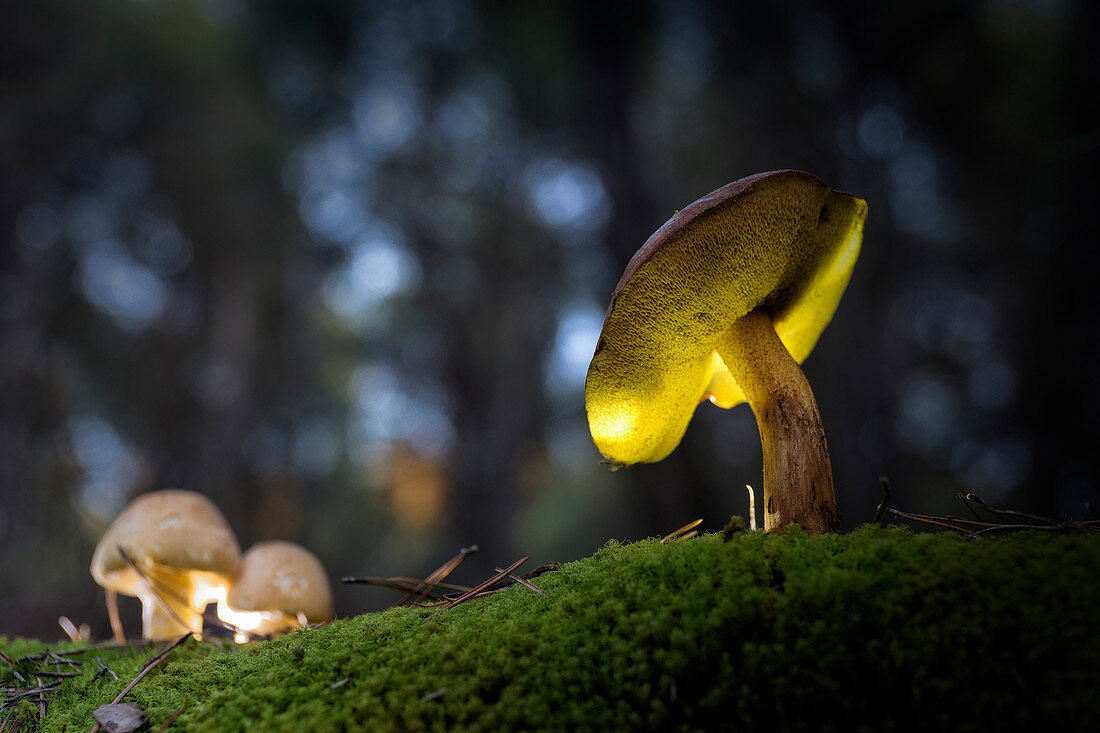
{"x":416,"y":486}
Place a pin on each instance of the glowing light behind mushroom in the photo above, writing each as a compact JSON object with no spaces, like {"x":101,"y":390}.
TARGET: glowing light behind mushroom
{"x":207,"y":592}
{"x":244,"y":620}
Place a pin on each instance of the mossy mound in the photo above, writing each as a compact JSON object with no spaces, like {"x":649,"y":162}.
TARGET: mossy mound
{"x":876,"y":630}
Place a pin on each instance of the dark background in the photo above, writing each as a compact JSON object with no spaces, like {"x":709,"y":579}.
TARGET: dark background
{"x":341,"y":265}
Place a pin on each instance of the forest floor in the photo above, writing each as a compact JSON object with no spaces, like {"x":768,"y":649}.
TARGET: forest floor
{"x":879,"y":629}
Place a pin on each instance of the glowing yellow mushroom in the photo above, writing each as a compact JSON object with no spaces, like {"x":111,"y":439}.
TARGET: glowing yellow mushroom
{"x":723,"y":303}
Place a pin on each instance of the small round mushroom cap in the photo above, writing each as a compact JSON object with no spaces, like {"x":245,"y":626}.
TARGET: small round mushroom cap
{"x":282,"y":577}
{"x":783,"y":242}
{"x":175,"y":529}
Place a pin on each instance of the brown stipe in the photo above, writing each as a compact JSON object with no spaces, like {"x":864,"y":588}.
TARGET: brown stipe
{"x":798,"y":478}
{"x":117,"y":631}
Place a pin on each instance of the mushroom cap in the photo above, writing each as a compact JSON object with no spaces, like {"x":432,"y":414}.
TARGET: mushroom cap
{"x":782,"y":241}
{"x":281,"y":576}
{"x":173,"y":529}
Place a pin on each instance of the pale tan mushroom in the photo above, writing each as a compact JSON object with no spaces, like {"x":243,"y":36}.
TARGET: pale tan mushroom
{"x":278,"y":587}
{"x":185,"y":551}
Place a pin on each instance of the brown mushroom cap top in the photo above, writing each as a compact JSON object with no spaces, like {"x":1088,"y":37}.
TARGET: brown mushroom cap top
{"x":282,"y":576}
{"x":173,"y":529}
{"x":782,"y":242}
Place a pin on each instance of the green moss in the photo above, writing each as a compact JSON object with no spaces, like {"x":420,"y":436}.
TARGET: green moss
{"x":876,"y":630}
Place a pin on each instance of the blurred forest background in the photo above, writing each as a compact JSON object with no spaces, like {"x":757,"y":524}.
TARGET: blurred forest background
{"x":341,"y":264}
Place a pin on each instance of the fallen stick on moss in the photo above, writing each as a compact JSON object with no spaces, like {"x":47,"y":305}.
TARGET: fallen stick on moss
{"x":473,"y":592}
{"x":1003,"y":515}
{"x":149,"y":667}
{"x":417,"y":590}
{"x":978,"y":528}
{"x":57,"y":659}
{"x":41,"y":699}
{"x":103,"y":670}
{"x":524,"y":582}
{"x":406,"y":584}
{"x":511,"y":579}
{"x":421,"y":594}
{"x":437,"y":576}
{"x":103,"y":646}
{"x":29,"y":692}
{"x":47,"y":673}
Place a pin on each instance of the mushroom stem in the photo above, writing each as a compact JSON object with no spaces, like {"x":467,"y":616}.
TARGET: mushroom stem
{"x":798,"y":478}
{"x":112,"y":614}
{"x":165,"y":609}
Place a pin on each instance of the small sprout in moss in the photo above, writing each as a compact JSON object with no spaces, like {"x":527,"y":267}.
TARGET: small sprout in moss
{"x":683,"y":533}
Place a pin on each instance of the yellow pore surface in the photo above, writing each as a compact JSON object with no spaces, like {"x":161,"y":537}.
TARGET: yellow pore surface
{"x":785,"y":243}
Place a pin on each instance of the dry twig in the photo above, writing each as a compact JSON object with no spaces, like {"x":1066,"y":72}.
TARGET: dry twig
{"x":405,"y":584}
{"x":103,"y":670}
{"x":424,"y":593}
{"x":885,"y":499}
{"x":47,"y":673}
{"x":473,"y":592}
{"x":39,"y":690}
{"x":416,"y":590}
{"x":438,"y":575}
{"x":1007,"y":520}
{"x":525,"y":583}
{"x":103,"y":646}
{"x":146,"y":669}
